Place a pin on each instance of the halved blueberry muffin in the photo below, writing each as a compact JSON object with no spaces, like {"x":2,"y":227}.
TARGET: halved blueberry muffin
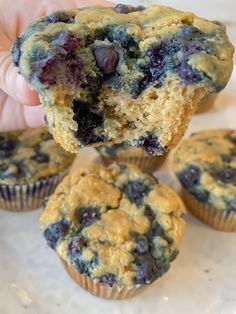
{"x":31,"y":164}
{"x":124,"y":73}
{"x":115,"y":229}
{"x":205,"y":165}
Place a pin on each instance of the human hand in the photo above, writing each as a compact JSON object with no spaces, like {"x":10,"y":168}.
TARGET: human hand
{"x":19,"y":105}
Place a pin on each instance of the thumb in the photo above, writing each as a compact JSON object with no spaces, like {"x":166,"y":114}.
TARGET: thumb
{"x":13,"y":84}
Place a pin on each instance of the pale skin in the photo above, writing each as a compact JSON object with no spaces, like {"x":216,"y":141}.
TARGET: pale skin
{"x":19,"y":105}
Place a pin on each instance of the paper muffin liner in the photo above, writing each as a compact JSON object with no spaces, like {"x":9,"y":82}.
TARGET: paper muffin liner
{"x":217,"y":219}
{"x":145,"y":163}
{"x":100,"y":289}
{"x":206,"y":103}
{"x":31,"y":196}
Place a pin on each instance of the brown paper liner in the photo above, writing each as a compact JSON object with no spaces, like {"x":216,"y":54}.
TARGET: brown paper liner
{"x":28,"y":196}
{"x":145,"y":163}
{"x":217,"y":219}
{"x":102,"y":290}
{"x":206,"y":103}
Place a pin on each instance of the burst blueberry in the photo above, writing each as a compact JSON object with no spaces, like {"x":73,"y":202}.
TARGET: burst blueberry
{"x":190,"y":177}
{"x":108,"y":278}
{"x":55,"y":232}
{"x":136,"y":191}
{"x":87,"y":215}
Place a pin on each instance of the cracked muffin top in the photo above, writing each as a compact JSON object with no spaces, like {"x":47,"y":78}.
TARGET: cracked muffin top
{"x":115,"y":224}
{"x":124,"y":73}
{"x":205,"y":164}
{"x":29,"y":155}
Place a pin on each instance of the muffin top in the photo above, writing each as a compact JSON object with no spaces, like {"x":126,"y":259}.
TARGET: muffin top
{"x":206,"y":166}
{"x":116,"y":224}
{"x":29,"y":155}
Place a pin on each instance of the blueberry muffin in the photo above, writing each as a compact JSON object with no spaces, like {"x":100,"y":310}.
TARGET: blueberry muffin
{"x":115,"y":229}
{"x":123,"y":74}
{"x":206,"y":167}
{"x":126,"y":154}
{"x":31,"y":164}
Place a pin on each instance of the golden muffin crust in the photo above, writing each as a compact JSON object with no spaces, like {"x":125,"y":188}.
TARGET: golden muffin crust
{"x":115,"y":224}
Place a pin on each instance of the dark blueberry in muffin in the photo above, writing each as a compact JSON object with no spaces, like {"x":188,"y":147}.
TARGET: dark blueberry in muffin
{"x":231,"y":207}
{"x":55,"y":232}
{"x":88,"y":119}
{"x":142,"y":246}
{"x":157,"y":230}
{"x":6,"y":143}
{"x":226,"y":158}
{"x":107,"y":59}
{"x":151,"y":145}
{"x":201,"y":195}
{"x":87,"y":215}
{"x":147,"y":270}
{"x":125,"y":9}
{"x":108,"y":278}
{"x":76,"y":245}
{"x":61,"y":17}
{"x":14,"y":169}
{"x":227,"y":175}
{"x":61,"y":63}
{"x":16,"y":51}
{"x":149,"y":213}
{"x":190,"y":177}
{"x":136,"y":191}
{"x":85,"y":267}
{"x":40,"y":157}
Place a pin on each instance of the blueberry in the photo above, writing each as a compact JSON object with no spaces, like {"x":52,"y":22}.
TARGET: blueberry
{"x":62,"y":63}
{"x":125,"y":9}
{"x":226,"y":158}
{"x":14,"y":169}
{"x":190,"y":177}
{"x":85,"y":267}
{"x":227,"y":175}
{"x":150,"y":144}
{"x":59,"y":17}
{"x":231,"y":208}
{"x":136,"y":191}
{"x":76,"y":245}
{"x":142,"y":246}
{"x":201,"y":195}
{"x":149,"y":213}
{"x":88,"y":119}
{"x":40,"y":157}
{"x":55,"y":232}
{"x":186,"y":72}
{"x":87,"y":215}
{"x":106,"y":58}
{"x":108,"y":278}
{"x":6,"y":142}
{"x":5,"y":153}
{"x":147,"y":270}
{"x":156,"y":230}
{"x":16,"y":51}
